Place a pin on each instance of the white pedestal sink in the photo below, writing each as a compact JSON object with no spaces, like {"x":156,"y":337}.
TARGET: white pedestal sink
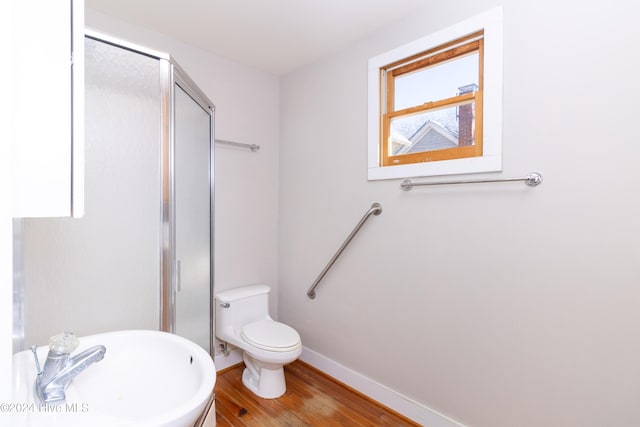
{"x":146,"y":379}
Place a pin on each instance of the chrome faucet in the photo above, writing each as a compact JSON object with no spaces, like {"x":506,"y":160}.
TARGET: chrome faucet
{"x":60,"y":368}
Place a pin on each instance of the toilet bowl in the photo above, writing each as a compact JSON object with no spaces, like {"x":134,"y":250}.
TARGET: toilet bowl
{"x":242,"y":319}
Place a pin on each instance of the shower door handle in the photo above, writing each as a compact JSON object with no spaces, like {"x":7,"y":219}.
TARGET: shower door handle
{"x":178,"y":276}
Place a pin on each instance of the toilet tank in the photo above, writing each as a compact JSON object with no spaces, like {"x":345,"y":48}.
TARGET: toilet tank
{"x":246,"y":304}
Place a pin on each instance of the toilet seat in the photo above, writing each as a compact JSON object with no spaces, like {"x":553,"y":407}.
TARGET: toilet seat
{"x":271,"y":335}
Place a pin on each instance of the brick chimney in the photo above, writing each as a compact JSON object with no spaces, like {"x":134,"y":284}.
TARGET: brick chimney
{"x":465,"y":117}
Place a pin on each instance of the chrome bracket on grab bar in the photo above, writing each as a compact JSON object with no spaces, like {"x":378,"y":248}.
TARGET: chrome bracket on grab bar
{"x":376,"y":209}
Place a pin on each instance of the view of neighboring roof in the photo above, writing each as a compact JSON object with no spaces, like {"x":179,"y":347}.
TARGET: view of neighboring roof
{"x":425,"y":132}
{"x":434,"y":129}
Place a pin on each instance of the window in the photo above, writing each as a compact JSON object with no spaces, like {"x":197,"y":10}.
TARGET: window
{"x":435,"y":104}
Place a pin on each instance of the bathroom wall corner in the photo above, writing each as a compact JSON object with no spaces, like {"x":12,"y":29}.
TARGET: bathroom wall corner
{"x":18,"y":285}
{"x":223,"y":362}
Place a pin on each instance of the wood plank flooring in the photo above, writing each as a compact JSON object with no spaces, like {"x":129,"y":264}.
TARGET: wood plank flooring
{"x":312,"y":399}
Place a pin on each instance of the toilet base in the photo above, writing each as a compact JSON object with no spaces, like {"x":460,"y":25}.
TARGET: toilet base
{"x":265,"y":380}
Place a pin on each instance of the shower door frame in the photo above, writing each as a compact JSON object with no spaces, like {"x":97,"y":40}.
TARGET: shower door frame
{"x":171,"y":74}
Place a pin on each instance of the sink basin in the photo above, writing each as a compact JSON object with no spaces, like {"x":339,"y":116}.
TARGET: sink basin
{"x":146,"y":379}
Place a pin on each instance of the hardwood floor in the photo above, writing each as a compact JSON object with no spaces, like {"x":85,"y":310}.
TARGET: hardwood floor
{"x":312,"y":399}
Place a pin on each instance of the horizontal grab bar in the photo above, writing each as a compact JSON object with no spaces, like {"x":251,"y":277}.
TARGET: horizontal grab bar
{"x":376,"y":209}
{"x":252,"y":147}
{"x":531,"y":180}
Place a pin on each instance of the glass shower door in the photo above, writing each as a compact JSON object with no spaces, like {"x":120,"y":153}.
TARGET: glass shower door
{"x":141,"y":257}
{"x":193,"y":214}
{"x":100,"y":273}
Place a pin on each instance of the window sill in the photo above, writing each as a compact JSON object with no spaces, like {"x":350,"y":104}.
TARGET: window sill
{"x":446,"y":167}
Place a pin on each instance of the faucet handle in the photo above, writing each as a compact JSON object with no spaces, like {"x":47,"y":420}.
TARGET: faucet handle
{"x":65,"y":342}
{"x":35,"y":356}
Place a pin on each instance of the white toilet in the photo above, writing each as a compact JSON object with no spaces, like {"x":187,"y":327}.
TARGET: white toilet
{"x":242,"y":319}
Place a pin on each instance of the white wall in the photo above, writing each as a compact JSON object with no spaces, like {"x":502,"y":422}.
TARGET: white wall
{"x":496,"y":304}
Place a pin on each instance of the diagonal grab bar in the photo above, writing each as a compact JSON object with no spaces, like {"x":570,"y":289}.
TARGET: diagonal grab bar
{"x":376,"y":209}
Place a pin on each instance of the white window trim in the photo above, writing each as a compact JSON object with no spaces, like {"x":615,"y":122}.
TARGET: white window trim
{"x":491,"y":160}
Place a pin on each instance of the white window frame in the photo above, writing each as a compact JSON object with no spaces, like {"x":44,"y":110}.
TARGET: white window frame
{"x":491,"y":160}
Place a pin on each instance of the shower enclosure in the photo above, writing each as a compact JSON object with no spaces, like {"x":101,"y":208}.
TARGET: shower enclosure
{"x":142,"y":256}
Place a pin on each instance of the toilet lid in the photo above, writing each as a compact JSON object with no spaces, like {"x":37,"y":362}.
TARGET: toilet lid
{"x":271,"y":335}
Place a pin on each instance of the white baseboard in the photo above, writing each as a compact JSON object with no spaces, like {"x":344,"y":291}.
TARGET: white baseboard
{"x":378,"y":392}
